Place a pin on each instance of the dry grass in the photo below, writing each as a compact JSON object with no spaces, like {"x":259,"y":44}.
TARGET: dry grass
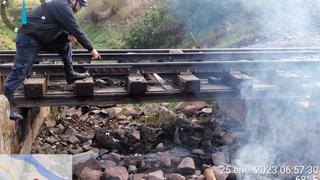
{"x":117,"y":11}
{"x":28,"y":2}
{"x":133,"y":7}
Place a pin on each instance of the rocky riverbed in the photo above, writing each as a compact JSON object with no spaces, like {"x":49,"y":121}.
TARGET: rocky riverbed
{"x":152,"y":141}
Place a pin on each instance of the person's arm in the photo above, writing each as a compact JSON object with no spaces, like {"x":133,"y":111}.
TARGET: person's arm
{"x":65,"y":17}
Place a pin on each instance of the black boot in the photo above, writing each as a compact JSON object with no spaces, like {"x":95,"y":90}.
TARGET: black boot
{"x":72,"y":76}
{"x":13,"y":114}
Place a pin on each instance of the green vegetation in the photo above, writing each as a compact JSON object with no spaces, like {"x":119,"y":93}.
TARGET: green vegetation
{"x":169,"y":24}
{"x":154,"y":29}
{"x":54,"y":113}
{"x":6,"y":38}
{"x":114,"y":24}
{"x":104,"y":37}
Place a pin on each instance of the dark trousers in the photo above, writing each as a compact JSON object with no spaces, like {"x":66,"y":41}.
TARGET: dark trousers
{"x":26,"y":54}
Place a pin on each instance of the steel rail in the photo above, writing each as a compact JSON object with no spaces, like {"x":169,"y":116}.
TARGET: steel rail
{"x":174,"y":67}
{"x":302,"y":49}
{"x":187,"y":55}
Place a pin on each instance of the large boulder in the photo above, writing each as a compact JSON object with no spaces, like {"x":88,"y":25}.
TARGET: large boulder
{"x":6,"y":127}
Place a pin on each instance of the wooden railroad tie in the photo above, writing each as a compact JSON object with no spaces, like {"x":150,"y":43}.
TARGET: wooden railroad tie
{"x":238,"y":80}
{"x":189,"y":83}
{"x":84,"y":87}
{"x":35,"y":87}
{"x":136,"y":84}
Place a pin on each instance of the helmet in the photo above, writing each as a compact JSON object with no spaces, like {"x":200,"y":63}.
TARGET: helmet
{"x":83,"y":3}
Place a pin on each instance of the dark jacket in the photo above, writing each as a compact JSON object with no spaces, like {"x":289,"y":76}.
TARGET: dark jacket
{"x":58,"y":20}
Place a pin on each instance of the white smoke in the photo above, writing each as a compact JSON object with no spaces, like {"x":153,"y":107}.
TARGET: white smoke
{"x":281,"y":132}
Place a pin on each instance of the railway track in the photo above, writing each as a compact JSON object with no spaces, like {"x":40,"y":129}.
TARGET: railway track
{"x":133,"y":55}
{"x":188,"y":79}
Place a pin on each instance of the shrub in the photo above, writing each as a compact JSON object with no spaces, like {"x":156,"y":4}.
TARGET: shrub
{"x":154,"y":29}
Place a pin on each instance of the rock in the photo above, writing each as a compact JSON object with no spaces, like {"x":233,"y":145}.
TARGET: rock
{"x":96,"y":111}
{"x":148,"y":109}
{"x":130,"y":112}
{"x":120,"y":133}
{"x":220,"y":173}
{"x":190,"y":110}
{"x":75,"y":151}
{"x":209,"y":174}
{"x":198,"y":152}
{"x":103,"y":151}
{"x":132,"y":169}
{"x":130,"y":118}
{"x":70,"y":131}
{"x":91,"y":164}
{"x":122,"y":118}
{"x":71,"y":138}
{"x":59,"y":148}
{"x":186,"y":166}
{"x":86,"y":148}
{"x":157,"y":175}
{"x":197,"y":173}
{"x":50,"y":123}
{"x":157,"y":165}
{"x":60,"y":127}
{"x":112,"y":113}
{"x":160,"y":147}
{"x":219,"y":132}
{"x":107,"y":164}
{"x":85,"y":137}
{"x":165,"y":160}
{"x":151,"y":162}
{"x":196,"y":105}
{"x":166,"y":112}
{"x":220,"y":158}
{"x":138,"y":177}
{"x":89,"y":174}
{"x":80,"y":158}
{"x":195,"y":177}
{"x":95,"y":150}
{"x":51,"y":139}
{"x":228,"y":139}
{"x":176,"y":176}
{"x":118,"y":110}
{"x":181,"y":105}
{"x":46,"y":148}
{"x":87,"y":143}
{"x":133,"y":160}
{"x":134,"y":135}
{"x":116,"y":173}
{"x":114,"y":157}
{"x":53,"y":131}
{"x":206,"y":110}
